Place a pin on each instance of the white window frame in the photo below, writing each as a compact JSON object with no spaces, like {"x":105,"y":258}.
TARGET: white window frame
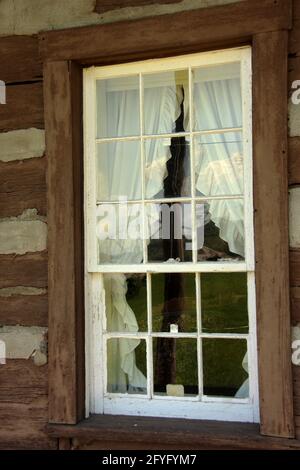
{"x":202,"y":407}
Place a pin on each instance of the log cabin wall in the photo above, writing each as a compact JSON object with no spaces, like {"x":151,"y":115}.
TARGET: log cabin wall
{"x":23,"y":211}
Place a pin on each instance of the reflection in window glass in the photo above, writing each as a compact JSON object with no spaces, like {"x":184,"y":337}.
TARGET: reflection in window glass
{"x":225,"y":367}
{"x":120,"y":237}
{"x":126,"y":366}
{"x":125,"y":302}
{"x":118,"y":108}
{"x":169,"y":228}
{"x":167,"y":169}
{"x":164,"y":95}
{"x":175,"y":366}
{"x":224,"y":303}
{"x":219,"y":165}
{"x":217,"y":97}
{"x":119,"y":171}
{"x":222,"y":236}
{"x":174,"y":303}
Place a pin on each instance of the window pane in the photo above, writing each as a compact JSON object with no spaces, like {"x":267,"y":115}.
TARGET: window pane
{"x":225,"y":367}
{"x":119,"y":171}
{"x":166,"y":102}
{"x":174,"y":303}
{"x":219,"y":164}
{"x":125,"y":302}
{"x":175,"y":367}
{"x":170,"y":231}
{"x":217,"y":97}
{"x":220,"y":230}
{"x":126,"y":366}
{"x":167,"y":170}
{"x":119,"y":230}
{"x":224,"y":303}
{"x":118,"y":108}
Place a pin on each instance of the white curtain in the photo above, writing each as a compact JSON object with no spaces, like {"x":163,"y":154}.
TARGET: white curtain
{"x":219,"y":157}
{"x":219,"y":171}
{"x":119,"y":174}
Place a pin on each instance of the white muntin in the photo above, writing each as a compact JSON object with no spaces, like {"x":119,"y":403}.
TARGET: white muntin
{"x":201,"y":406}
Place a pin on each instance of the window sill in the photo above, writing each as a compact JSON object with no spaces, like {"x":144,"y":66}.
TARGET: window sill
{"x":184,"y":434}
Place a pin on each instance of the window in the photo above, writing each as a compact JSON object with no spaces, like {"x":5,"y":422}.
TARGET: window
{"x":171,"y":327}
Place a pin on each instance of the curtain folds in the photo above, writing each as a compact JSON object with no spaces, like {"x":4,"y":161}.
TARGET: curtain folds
{"x":219,"y":171}
{"x":120,"y":175}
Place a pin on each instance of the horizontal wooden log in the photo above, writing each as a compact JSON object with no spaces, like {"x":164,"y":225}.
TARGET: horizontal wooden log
{"x":196,"y":29}
{"x":20,"y":60}
{"x":23,"y":108}
{"x":24,"y":406}
{"x":23,"y":186}
{"x":294,"y":158}
{"x":295,"y":268}
{"x":103,"y":6}
{"x":28,"y":270}
{"x":21,"y":381}
{"x":25,"y":310}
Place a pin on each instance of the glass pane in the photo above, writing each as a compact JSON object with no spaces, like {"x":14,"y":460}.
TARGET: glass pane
{"x":219,"y":164}
{"x":224,"y":303}
{"x":118,"y":108}
{"x":125,"y":302}
{"x":174,"y":303}
{"x":169,"y":231}
{"x":175,"y":367}
{"x":167,"y":170}
{"x":225,"y":368}
{"x":119,"y":230}
{"x":217,"y":97}
{"x":165,"y":103}
{"x":119,"y":171}
{"x":220,"y":230}
{"x":126,"y":366}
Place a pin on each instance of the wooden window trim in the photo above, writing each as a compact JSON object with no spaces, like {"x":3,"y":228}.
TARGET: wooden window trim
{"x":264,"y":25}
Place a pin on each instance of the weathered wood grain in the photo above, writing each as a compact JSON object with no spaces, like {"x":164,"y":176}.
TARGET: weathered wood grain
{"x":103,"y":6}
{"x":23,"y":108}
{"x":25,"y":310}
{"x":295,"y":268}
{"x":63,"y":100}
{"x":20,"y":60}
{"x":23,"y":406}
{"x":294,"y":159}
{"x":152,"y":37}
{"x":145,"y":432}
{"x":295,"y":306}
{"x":28,"y":270}
{"x":271,"y":233}
{"x":23,"y":186}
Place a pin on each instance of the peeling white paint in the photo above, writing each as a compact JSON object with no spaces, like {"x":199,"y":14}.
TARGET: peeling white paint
{"x":294,"y":213}
{"x":32,"y":16}
{"x":21,"y":342}
{"x":26,"y":233}
{"x":21,"y":290}
{"x":21,"y":144}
